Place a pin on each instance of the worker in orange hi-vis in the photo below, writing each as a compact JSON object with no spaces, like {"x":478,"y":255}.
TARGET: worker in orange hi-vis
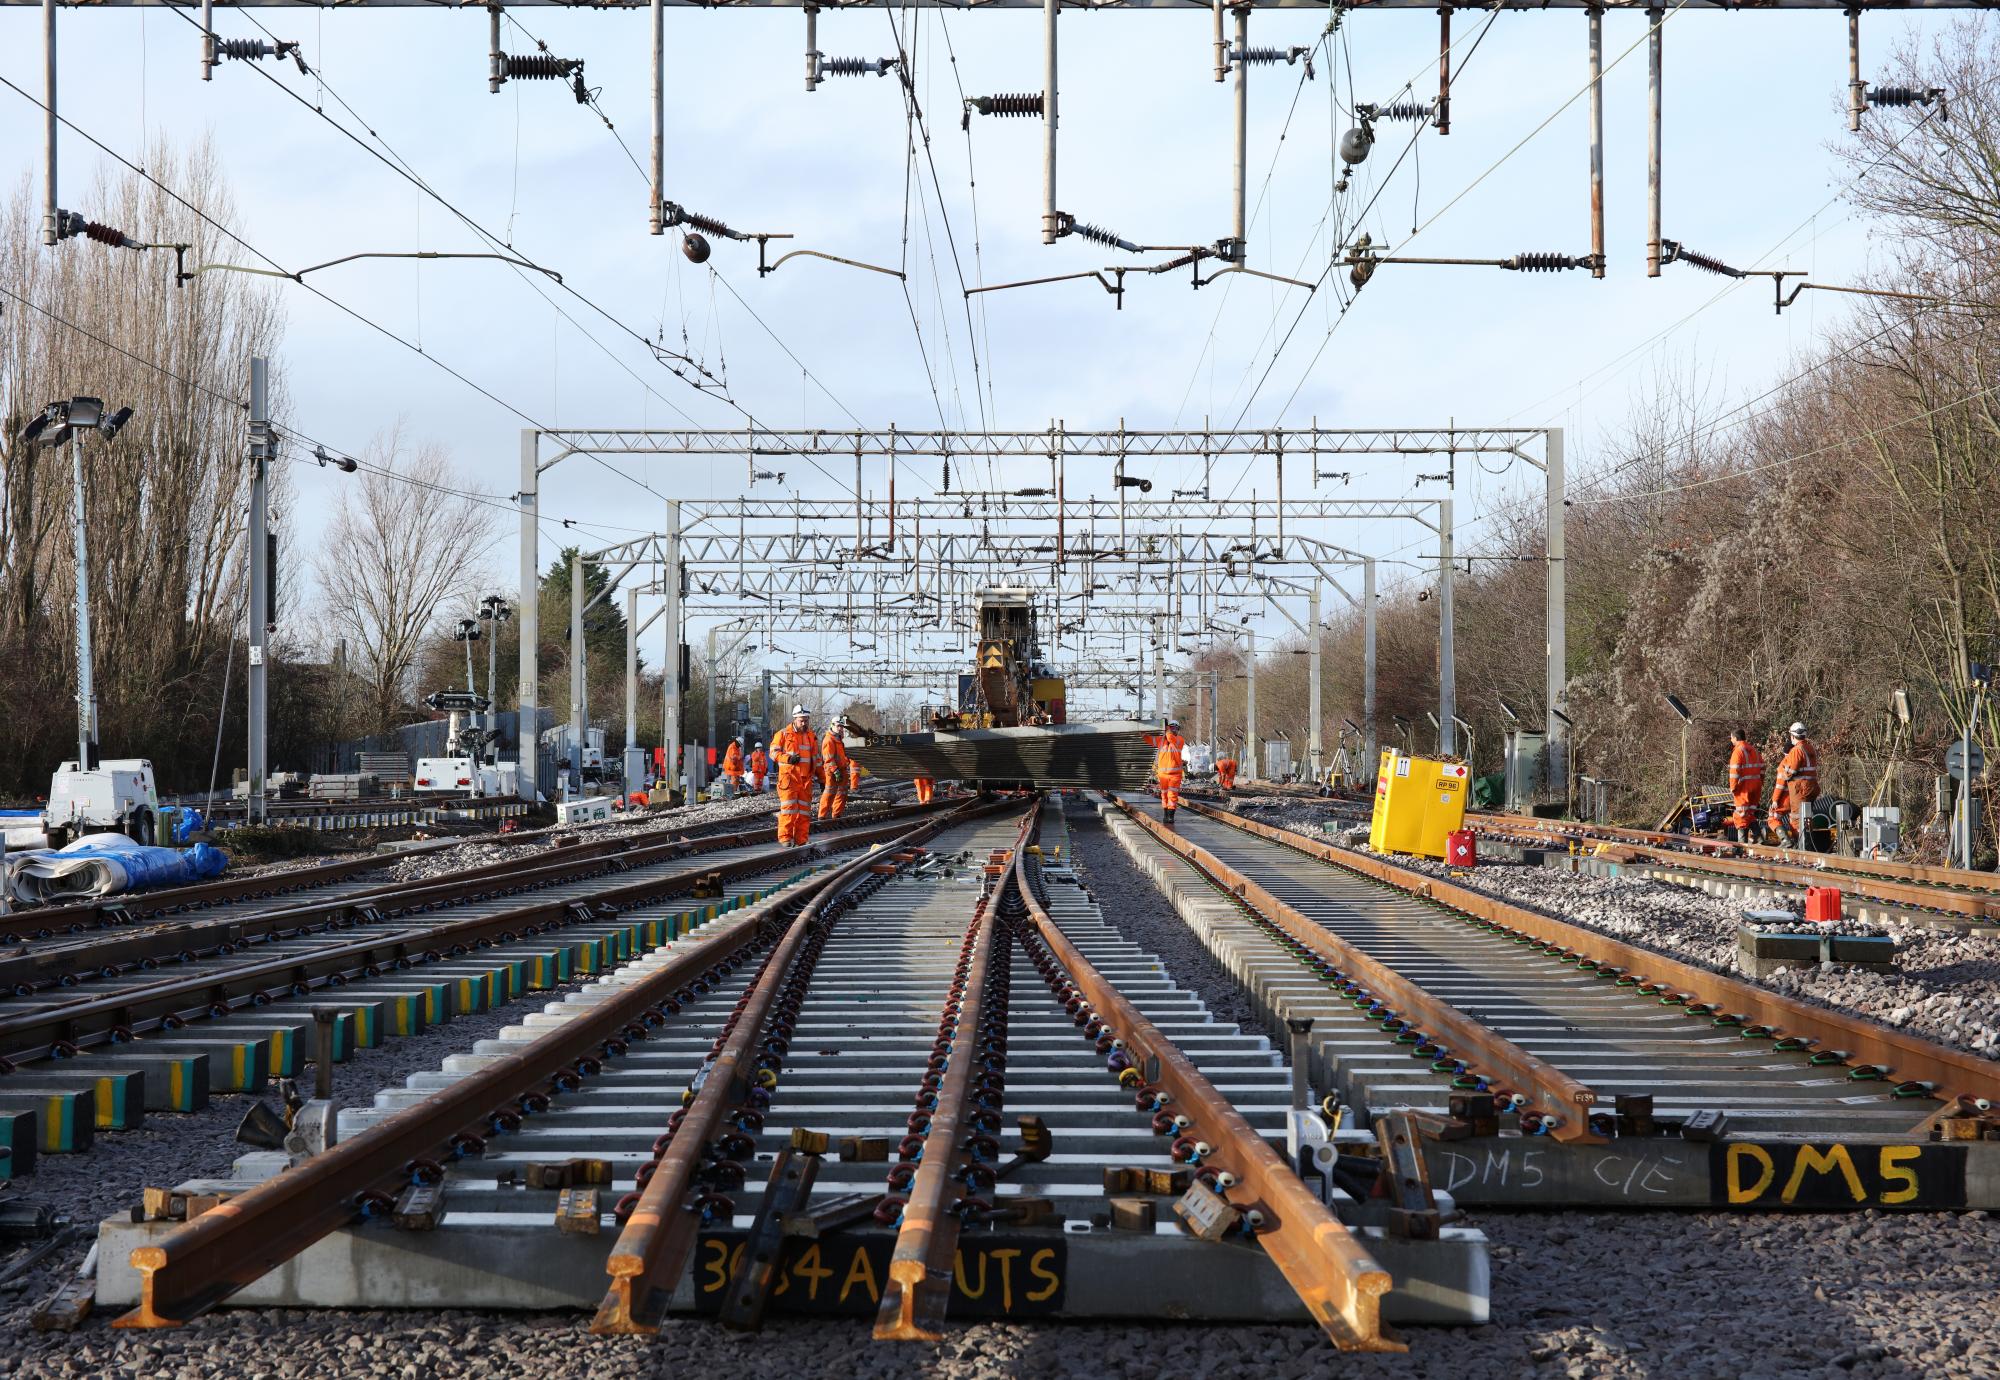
{"x":796,"y":753}
{"x":1225,"y":772}
{"x":1169,"y":762}
{"x":760,"y":767}
{"x":836,"y":773}
{"x":732,"y":768}
{"x":1746,"y":785}
{"x":926,"y":788}
{"x":1796,"y":783}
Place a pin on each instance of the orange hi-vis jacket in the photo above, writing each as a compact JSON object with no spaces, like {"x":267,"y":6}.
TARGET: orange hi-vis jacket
{"x":732,"y":761}
{"x":1798,"y":775}
{"x":760,"y":765}
{"x":1746,"y":774}
{"x":835,"y":764}
{"x":796,"y":751}
{"x":1225,"y":772}
{"x":1171,"y":759}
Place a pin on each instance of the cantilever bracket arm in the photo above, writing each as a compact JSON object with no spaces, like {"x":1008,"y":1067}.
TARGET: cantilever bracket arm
{"x":1780,"y":299}
{"x":1116,"y":289}
{"x":764,"y":269}
{"x":183,"y":274}
{"x":1200,"y":281}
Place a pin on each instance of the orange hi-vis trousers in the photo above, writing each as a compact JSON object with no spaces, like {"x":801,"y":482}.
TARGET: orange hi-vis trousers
{"x":1170,"y":790}
{"x":926,"y":788}
{"x":833,"y":799}
{"x":794,"y":803}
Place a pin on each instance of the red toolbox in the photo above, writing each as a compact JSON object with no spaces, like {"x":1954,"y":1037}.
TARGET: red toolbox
{"x":1822,"y":905}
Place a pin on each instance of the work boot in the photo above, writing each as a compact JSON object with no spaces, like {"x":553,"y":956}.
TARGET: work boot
{"x":1170,"y":818}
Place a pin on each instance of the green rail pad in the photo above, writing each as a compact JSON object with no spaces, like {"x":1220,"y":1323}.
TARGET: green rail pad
{"x":17,"y":1142}
{"x":118,"y":1096}
{"x":173,"y":1082}
{"x":64,"y":1120}
{"x":234,"y":1065}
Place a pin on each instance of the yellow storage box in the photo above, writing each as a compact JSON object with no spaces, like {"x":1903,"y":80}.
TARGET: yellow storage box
{"x":1418,"y":801}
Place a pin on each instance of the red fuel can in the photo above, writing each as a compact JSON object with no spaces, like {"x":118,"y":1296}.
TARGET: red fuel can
{"x":1822,"y":905}
{"x":1461,"y":849}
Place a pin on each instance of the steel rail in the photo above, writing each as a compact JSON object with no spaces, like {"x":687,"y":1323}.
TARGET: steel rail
{"x":919,"y":1287}
{"x":1929,"y":887}
{"x":244,"y":1238}
{"x":133,"y":947}
{"x":652,"y":1250}
{"x":1561,"y":1098}
{"x":1860,"y":1042}
{"x":1340,"y":1284}
{"x":117,"y":1016}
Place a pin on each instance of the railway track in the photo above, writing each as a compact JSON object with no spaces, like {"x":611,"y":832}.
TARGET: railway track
{"x":846,"y":1057}
{"x":1625,"y":1068}
{"x":98,"y":1031}
{"x":1871,"y":889}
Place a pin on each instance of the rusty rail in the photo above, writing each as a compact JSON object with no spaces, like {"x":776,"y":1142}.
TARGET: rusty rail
{"x":118,"y":1015}
{"x":919,"y":1288}
{"x":652,"y":1250}
{"x":244,"y":1238}
{"x":1974,"y":895}
{"x":1561,"y":1098}
{"x":1861,"y":1042}
{"x":1334,"y":1276}
{"x":127,"y":946}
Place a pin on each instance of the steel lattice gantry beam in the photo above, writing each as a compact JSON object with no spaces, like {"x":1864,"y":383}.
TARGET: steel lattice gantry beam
{"x":1098,"y":560}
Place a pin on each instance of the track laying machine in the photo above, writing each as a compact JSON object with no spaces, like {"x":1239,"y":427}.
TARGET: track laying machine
{"x":1009,"y":726}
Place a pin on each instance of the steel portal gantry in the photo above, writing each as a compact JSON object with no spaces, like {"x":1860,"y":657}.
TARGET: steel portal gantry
{"x":787,"y":549}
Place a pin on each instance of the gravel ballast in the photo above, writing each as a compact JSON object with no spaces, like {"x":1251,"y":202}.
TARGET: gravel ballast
{"x":1692,"y":1295}
{"x":1946,"y":987}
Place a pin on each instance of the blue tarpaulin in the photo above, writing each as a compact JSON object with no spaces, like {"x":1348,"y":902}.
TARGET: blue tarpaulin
{"x":104,"y":865}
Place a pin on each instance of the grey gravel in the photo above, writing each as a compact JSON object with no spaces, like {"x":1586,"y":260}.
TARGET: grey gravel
{"x":1689,"y":1296}
{"x":1139,"y":910}
{"x":436,"y":863}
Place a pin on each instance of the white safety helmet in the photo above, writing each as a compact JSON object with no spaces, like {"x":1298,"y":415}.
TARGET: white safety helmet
{"x":760,"y":742}
{"x":1798,"y":730}
{"x":1173,"y":723}
{"x":799,"y":712}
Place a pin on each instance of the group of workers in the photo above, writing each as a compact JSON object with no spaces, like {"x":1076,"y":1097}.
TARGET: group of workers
{"x":801,"y":759}
{"x":1796,"y":784}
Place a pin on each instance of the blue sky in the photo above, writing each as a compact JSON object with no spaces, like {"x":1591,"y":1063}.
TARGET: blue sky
{"x":1753,"y":109}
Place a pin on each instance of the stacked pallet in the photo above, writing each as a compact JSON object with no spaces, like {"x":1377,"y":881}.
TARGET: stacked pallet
{"x":351,"y":786}
{"x":390,"y":769}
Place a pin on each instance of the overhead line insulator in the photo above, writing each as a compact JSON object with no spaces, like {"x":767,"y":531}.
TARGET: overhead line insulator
{"x":1544,"y":262}
{"x":251,"y":49}
{"x":1023,"y":104}
{"x":1097,"y":234}
{"x":855,"y":66}
{"x":1909,"y":95}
